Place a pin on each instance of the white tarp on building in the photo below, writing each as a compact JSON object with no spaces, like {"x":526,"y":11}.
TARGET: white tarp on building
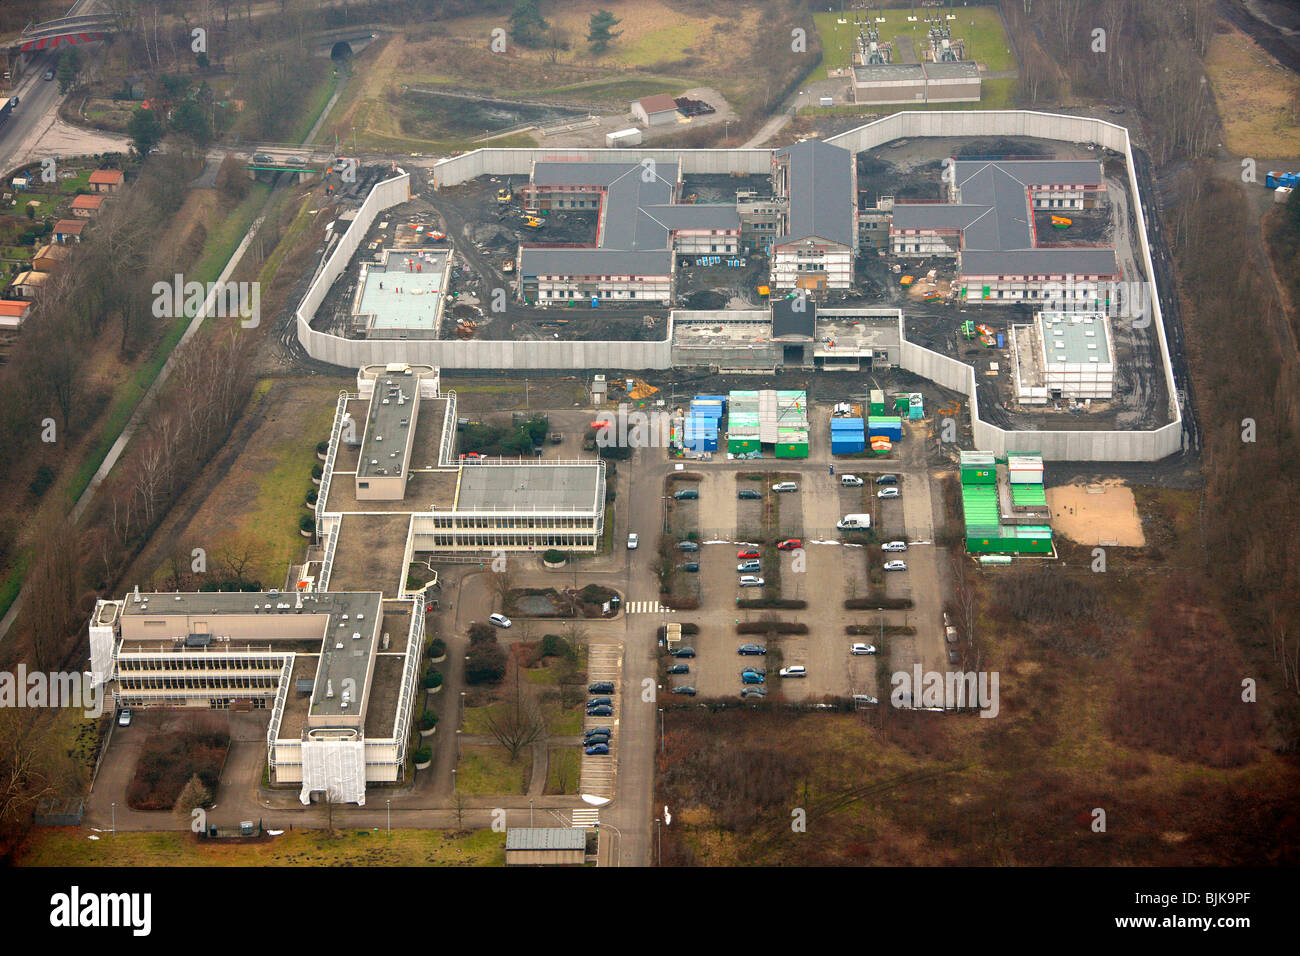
{"x":335,"y":767}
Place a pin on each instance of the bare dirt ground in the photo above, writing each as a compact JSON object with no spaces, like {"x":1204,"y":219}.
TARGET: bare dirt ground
{"x":1097,"y":513}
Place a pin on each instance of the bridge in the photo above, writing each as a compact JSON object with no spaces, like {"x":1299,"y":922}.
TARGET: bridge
{"x":64,"y":31}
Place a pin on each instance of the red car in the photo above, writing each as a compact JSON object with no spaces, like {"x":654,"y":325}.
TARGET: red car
{"x":790,"y":544}
{"x":748,"y":554}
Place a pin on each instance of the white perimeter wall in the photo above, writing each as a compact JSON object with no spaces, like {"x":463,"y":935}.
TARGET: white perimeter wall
{"x":1055,"y":445}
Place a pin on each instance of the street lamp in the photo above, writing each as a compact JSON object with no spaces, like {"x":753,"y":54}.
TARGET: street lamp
{"x":390,"y":816}
{"x":115,"y":819}
{"x":661,"y":728}
{"x":530,"y":811}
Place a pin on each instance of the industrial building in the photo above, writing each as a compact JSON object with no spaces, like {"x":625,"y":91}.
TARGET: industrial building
{"x":1063,"y":355}
{"x":401,"y":294}
{"x":879,"y":84}
{"x":1004,"y":504}
{"x":640,"y":225}
{"x":546,"y":846}
{"x":819,"y":232}
{"x":988,"y":225}
{"x":336,"y":661}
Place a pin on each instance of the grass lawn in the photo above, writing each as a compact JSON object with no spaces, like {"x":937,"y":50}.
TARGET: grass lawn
{"x":1259,"y":96}
{"x":485,"y":770}
{"x":621,"y":90}
{"x":563,"y":769}
{"x":986,"y":41}
{"x":68,"y":846}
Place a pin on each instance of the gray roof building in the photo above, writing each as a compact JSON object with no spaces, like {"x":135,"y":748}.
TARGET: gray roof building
{"x":819,"y":183}
{"x":636,"y":223}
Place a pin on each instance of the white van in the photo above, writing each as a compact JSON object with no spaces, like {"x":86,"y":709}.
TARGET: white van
{"x":854,"y":523}
{"x":894,"y":546}
{"x":850,"y":481}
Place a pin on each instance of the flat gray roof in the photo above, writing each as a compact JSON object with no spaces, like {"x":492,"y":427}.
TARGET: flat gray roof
{"x":595,"y":262}
{"x":156,"y":604}
{"x":952,"y":70}
{"x":383,"y":446}
{"x":1075,"y":338}
{"x":820,"y":182}
{"x":347,"y":667}
{"x":878,"y":72}
{"x":596,"y":175}
{"x":1033,"y":262}
{"x":421,"y":277}
{"x":545,"y":838}
{"x":541,"y":487}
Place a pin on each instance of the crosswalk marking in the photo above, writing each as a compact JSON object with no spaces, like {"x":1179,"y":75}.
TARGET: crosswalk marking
{"x":581,"y":818}
{"x":646,"y":607}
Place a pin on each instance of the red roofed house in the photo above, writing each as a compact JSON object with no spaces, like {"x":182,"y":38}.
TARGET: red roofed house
{"x":13,"y":313}
{"x":106,"y":180}
{"x":69,"y":230}
{"x":87,"y":207}
{"x":655,"y":110}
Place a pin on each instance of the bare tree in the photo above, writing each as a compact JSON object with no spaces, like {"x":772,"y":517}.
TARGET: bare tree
{"x":516,"y":723}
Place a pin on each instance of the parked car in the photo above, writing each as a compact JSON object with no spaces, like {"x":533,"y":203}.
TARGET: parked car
{"x":888,"y":493}
{"x":886,"y":479}
{"x":895,"y":565}
{"x":748,"y":553}
{"x":752,"y":692}
{"x":602,"y":711}
{"x":263,"y":158}
{"x":500,"y":620}
{"x":947,"y":619}
{"x":749,"y":494}
{"x":684,"y":652}
{"x":124,"y":717}
{"x":751,"y":649}
{"x":686,"y":689}
{"x":753,"y":670}
{"x":47,"y":75}
{"x":600,"y":702}
{"x":601,"y":687}
{"x":680,"y":669}
{"x":953,"y":656}
{"x":864,"y":699}
{"x":752,"y":677}
{"x":790,"y":544}
{"x":785,"y":486}
{"x":692,"y":566}
{"x":750,"y":581}
{"x":860,"y":648}
{"x":686,"y":494}
{"x":794,"y":670}
{"x":950,"y":635}
{"x":687,"y":546}
{"x":633,"y":542}
{"x":894,"y":546}
{"x":597,"y":750}
{"x":850,"y":481}
{"x":597,"y":732}
{"x":750,"y":566}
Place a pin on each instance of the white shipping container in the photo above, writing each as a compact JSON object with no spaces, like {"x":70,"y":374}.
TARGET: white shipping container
{"x":623,"y":137}
{"x":826,"y":101}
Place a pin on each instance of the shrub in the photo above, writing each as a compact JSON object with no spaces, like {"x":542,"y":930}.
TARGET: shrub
{"x":317,"y":471}
{"x":596,"y":594}
{"x":311,"y":496}
{"x":771,"y":627}
{"x":787,"y":604}
{"x":478,"y":633}
{"x":307,"y":523}
{"x":41,"y":481}
{"x":867,"y":629}
{"x":432,"y":678}
{"x":486,"y":663}
{"x":428,"y":720}
{"x":552,"y":556}
{"x":322,"y":447}
{"x":878,"y":603}
{"x":437,"y":647}
{"x":555,"y":646}
{"x":424,"y":755}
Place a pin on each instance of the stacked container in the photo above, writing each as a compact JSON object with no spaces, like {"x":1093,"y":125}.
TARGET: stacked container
{"x":847,"y":436}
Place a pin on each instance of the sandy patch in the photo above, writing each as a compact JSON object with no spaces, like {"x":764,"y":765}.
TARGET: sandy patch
{"x":1102,"y":513}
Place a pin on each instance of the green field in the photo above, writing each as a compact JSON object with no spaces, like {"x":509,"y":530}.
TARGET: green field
{"x":71,"y":847}
{"x":986,"y":41}
{"x":486,"y":770}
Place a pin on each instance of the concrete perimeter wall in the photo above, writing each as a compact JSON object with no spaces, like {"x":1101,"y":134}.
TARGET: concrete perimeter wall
{"x":519,"y":162}
{"x":480,"y":354}
{"x":1055,"y":445}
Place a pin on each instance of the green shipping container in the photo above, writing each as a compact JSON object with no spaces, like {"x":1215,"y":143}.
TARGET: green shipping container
{"x":742,"y":446}
{"x":792,"y":450}
{"x":979,"y":476}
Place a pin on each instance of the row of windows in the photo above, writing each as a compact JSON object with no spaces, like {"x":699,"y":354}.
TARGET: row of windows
{"x":199,"y":662}
{"x":215,"y":703}
{"x":579,"y":521}
{"x":509,"y":540}
{"x":199,"y":683}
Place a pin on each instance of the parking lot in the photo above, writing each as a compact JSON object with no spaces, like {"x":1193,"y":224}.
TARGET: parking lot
{"x":830,"y":567}
{"x":604,"y":665}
